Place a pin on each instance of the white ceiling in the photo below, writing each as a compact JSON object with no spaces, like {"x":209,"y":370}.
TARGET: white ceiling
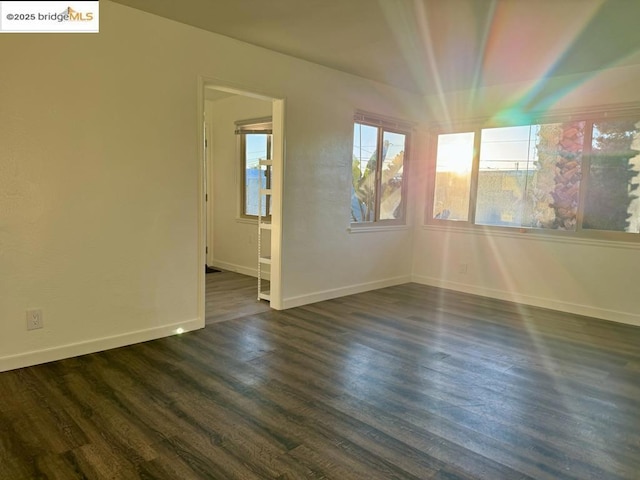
{"x":426,"y":46}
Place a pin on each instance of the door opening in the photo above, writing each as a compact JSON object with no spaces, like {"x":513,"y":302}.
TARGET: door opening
{"x":230,"y":240}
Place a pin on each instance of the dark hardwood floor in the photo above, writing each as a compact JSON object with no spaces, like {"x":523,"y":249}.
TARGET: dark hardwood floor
{"x":407,"y":382}
{"x":230,"y":295}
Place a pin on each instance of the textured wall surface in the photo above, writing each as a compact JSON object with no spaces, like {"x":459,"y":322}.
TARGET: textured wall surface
{"x":99,"y":180}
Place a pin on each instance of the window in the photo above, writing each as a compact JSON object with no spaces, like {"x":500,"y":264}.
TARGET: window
{"x":379,"y":166}
{"x":612,"y":197}
{"x":255,"y":162}
{"x":529,"y":176}
{"x":576,"y":175}
{"x":453,"y":176}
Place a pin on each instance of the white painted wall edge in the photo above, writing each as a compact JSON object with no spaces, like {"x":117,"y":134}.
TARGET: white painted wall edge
{"x":96,"y":345}
{"x":232,"y":267}
{"x":628,"y":318}
{"x":292,"y":302}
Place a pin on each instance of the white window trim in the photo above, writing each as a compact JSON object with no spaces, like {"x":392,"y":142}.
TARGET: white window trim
{"x":369,"y":227}
{"x":580,"y":236}
{"x":539,"y":235}
{"x":392,"y":125}
{"x":262,"y":125}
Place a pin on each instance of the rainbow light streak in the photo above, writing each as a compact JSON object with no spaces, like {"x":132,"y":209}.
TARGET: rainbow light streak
{"x":484,"y":42}
{"x":553,"y":83}
{"x":494,"y":45}
{"x":411,"y":31}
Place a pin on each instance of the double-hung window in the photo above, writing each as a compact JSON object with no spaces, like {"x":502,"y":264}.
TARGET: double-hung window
{"x":577,"y":174}
{"x":379,"y":170}
{"x":255,"y":151}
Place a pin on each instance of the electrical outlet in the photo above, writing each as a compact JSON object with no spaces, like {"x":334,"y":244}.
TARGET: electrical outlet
{"x":34,"y":319}
{"x":462,"y":268}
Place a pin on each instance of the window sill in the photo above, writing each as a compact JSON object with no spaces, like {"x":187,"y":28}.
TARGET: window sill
{"x":249,"y":221}
{"x":539,"y":235}
{"x":359,"y":228}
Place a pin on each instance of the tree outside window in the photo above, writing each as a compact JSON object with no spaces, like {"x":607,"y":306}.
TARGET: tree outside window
{"x":573,"y":175}
{"x":378,"y":173}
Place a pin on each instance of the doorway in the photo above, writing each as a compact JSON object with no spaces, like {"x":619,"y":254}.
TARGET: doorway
{"x":228,"y":238}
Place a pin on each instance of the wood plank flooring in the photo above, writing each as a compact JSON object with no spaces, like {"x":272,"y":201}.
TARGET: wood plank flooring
{"x":230,"y":295}
{"x":407,"y":382}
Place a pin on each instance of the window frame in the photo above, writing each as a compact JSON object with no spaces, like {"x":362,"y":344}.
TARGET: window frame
{"x":256,"y":126}
{"x":390,"y":125}
{"x":476,"y":126}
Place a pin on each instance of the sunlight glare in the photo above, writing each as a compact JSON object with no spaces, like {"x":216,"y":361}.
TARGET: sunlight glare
{"x":455,"y":153}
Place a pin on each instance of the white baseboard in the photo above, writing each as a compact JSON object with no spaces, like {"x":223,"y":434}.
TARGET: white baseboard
{"x":96,"y":345}
{"x":550,"y":303}
{"x":232,"y":267}
{"x":297,"y":301}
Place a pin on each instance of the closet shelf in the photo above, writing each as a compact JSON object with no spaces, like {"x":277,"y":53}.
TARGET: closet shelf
{"x":266,"y":295}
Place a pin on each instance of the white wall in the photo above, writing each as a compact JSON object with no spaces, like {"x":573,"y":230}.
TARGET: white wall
{"x":234,"y":238}
{"x":592,"y":278}
{"x":99,"y":190}
{"x":322,"y":258}
{"x":99,"y":184}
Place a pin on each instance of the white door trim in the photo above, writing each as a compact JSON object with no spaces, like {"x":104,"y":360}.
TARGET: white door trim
{"x":277,"y":185}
